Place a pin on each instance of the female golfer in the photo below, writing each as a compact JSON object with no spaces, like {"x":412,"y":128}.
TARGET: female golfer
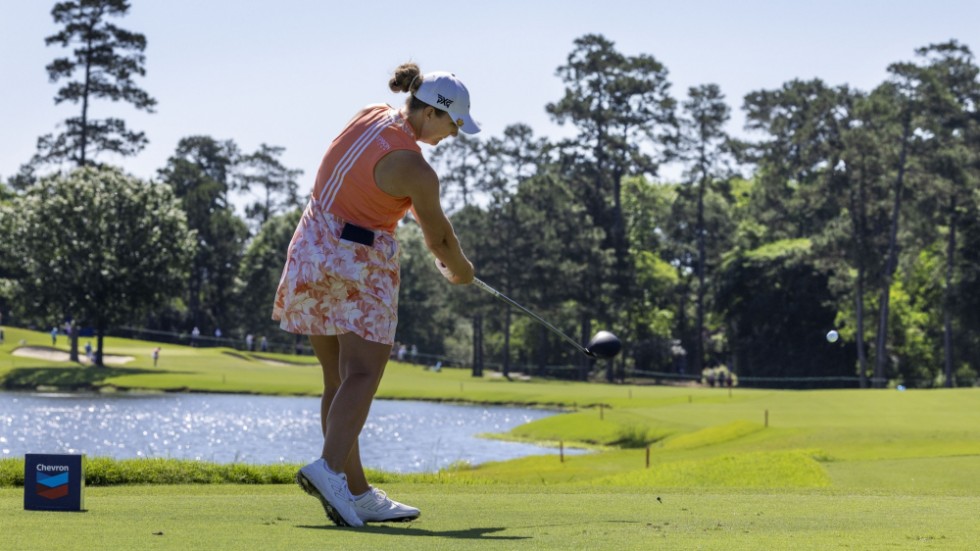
{"x":340,"y":282}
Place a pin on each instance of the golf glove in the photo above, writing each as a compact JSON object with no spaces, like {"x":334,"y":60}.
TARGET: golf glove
{"x":444,"y":270}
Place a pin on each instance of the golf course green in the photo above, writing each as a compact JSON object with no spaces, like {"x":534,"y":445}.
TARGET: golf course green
{"x":673,"y":467}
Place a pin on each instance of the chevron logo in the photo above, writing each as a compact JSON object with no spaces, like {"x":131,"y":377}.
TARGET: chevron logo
{"x":52,"y":486}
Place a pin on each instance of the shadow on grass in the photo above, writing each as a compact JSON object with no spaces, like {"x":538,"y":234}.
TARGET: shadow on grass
{"x":466,"y":534}
{"x":237,"y":355}
{"x":252,"y":356}
{"x":66,"y":377}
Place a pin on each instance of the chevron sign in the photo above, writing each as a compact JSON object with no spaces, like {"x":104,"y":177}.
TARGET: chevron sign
{"x":54,"y":482}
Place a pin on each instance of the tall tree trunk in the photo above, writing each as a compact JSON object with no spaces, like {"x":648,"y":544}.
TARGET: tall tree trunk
{"x":859,"y":314}
{"x":478,"y":345}
{"x":881,"y":348}
{"x":682,"y":328}
{"x":506,"y":360}
{"x":83,"y":142}
{"x":619,"y":234}
{"x":99,"y":362}
{"x":860,"y":221}
{"x":584,"y":362}
{"x":268,"y":205}
{"x":194,"y":295}
{"x":73,"y":340}
{"x":948,"y":292}
{"x":699,"y":351}
{"x":541,"y":351}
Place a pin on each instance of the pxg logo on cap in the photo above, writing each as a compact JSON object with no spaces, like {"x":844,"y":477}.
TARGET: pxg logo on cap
{"x":445,"y":92}
{"x":54,"y":482}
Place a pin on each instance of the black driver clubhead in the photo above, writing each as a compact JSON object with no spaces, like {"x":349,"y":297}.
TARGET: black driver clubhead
{"x":604,"y":345}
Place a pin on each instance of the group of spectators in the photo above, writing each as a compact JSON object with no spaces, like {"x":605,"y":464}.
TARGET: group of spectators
{"x":718,"y":376}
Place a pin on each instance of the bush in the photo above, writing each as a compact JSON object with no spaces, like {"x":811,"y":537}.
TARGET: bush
{"x":103,"y":471}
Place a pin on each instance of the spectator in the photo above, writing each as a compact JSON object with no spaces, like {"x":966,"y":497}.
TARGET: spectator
{"x":156,"y":356}
{"x":249,"y":342}
{"x":195,"y":333}
{"x":679,"y":355}
{"x":54,"y":336}
{"x":264,"y":344}
{"x":88,"y":351}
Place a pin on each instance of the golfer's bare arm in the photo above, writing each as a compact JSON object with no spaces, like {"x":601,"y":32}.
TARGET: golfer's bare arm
{"x":406,"y":174}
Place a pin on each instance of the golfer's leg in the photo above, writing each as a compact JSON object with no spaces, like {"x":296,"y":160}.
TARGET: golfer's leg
{"x":327,"y":350}
{"x":362,"y":363}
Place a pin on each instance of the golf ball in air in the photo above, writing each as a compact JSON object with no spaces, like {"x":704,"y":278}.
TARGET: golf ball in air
{"x":832,"y":336}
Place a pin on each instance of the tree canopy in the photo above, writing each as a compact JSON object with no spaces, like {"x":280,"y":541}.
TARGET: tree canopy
{"x":98,"y":247}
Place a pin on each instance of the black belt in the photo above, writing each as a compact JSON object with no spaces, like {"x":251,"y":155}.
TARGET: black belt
{"x":357,"y":234}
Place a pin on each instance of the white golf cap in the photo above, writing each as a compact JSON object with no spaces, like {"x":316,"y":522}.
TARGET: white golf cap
{"x":445,"y":92}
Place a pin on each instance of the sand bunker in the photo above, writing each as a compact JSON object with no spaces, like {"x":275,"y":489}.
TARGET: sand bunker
{"x":55,"y":355}
{"x":281,"y":364}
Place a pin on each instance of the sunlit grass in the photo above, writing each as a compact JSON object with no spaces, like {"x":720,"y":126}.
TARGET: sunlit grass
{"x":783,"y":469}
{"x":713,"y":435}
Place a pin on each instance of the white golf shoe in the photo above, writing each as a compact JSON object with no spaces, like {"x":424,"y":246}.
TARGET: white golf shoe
{"x":331,"y":489}
{"x":375,"y":506}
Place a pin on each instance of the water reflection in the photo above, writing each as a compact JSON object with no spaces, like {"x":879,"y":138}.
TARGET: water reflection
{"x":399,"y":436}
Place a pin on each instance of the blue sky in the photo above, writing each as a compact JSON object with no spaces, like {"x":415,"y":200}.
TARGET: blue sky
{"x":291,"y":73}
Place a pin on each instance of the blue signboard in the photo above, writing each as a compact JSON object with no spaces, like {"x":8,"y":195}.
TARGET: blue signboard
{"x":54,"y":482}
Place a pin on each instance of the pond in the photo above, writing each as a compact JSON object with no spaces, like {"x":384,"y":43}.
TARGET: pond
{"x":399,"y":436}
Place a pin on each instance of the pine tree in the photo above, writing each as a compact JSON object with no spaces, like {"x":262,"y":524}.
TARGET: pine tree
{"x":104,"y":61}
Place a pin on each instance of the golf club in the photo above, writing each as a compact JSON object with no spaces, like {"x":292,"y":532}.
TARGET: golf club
{"x":603,"y":345}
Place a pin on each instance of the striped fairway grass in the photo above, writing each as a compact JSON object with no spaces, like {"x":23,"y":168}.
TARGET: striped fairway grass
{"x":670,"y":468}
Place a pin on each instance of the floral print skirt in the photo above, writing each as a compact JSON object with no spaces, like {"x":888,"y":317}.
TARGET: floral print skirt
{"x":331,"y":286}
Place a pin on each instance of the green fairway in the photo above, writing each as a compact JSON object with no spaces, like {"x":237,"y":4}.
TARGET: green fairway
{"x":502,"y":517}
{"x":746,"y":469}
{"x":179,"y":368}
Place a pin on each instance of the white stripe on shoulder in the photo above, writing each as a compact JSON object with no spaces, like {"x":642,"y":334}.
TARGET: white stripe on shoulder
{"x":347,"y":161}
{"x":352,"y":152}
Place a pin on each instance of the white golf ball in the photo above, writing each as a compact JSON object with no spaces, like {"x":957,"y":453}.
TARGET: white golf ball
{"x":832,"y":336}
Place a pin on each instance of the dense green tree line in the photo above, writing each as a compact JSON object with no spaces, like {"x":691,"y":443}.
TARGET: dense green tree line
{"x":847,"y":209}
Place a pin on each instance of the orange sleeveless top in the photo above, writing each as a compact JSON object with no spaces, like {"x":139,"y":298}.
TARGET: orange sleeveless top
{"x":345,"y":183}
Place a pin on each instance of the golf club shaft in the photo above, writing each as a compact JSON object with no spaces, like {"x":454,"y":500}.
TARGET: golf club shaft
{"x":555,"y":330}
